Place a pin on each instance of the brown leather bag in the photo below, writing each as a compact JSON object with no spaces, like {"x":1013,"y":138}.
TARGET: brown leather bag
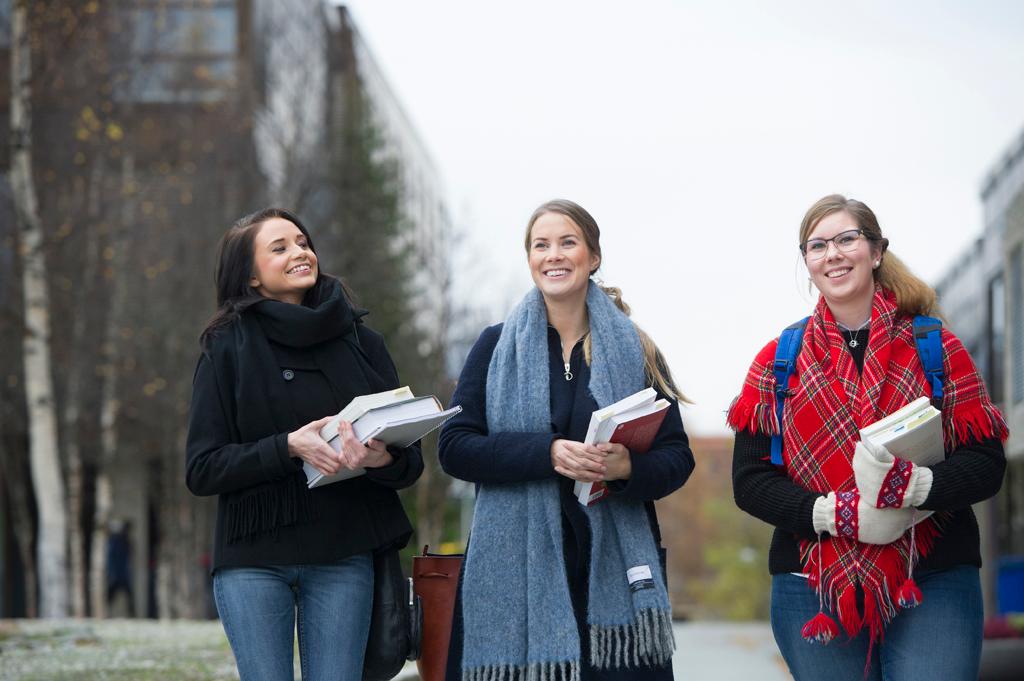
{"x":435,"y":579}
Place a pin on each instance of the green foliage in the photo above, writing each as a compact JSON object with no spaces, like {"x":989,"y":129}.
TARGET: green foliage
{"x":369,"y":241}
{"x":369,"y":233}
{"x":736,"y":585}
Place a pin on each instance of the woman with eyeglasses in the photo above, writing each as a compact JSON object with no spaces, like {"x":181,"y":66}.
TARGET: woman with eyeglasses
{"x":849,"y":543}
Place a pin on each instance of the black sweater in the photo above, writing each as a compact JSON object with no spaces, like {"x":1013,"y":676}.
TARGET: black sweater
{"x":971,"y":473}
{"x":350,"y":517}
{"x":468,"y":452}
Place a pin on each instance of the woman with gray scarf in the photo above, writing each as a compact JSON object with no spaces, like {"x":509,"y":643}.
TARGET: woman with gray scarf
{"x":544,"y":592}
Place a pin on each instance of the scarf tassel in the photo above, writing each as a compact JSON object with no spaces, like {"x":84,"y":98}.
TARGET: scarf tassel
{"x":264,"y":510}
{"x":752,"y":416}
{"x":647,"y":641}
{"x":538,"y":671}
{"x":849,"y":615}
{"x":909,"y":595}
{"x":982,"y":422}
{"x":820,"y":629}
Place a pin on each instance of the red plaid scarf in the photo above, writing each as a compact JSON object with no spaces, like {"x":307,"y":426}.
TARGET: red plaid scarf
{"x":830,"y":402}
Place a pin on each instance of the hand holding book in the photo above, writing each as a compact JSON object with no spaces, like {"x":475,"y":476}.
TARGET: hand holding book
{"x":577,"y":460}
{"x":618,"y":465}
{"x":358,"y":436}
{"x":627,"y":427}
{"x":890,"y":462}
{"x":306,"y":444}
{"x":887,"y":481}
{"x":354,"y":454}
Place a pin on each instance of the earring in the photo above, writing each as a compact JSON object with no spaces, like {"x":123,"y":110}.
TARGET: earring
{"x":877,"y":263}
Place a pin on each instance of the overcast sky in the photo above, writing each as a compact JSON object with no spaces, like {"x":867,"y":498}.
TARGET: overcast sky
{"x":697,"y":134}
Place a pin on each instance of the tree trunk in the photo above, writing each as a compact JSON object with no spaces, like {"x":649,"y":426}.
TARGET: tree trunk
{"x":110,"y":405}
{"x":81,"y":358}
{"x":72,"y":446}
{"x":21,"y":521}
{"x":44,"y":458}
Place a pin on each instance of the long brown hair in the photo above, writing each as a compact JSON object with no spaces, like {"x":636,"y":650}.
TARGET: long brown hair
{"x":913,"y":296}
{"x":655,"y":366}
{"x":235,"y":260}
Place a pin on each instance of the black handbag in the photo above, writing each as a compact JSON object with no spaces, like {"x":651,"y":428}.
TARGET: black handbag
{"x":390,"y":642}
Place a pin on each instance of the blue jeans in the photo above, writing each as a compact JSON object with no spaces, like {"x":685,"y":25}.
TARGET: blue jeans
{"x":258,"y":608}
{"x":939,"y":639}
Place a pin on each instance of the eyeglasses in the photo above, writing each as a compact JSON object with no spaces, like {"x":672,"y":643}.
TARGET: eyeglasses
{"x":815,"y":249}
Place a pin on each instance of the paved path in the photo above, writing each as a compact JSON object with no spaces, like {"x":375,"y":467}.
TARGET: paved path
{"x":715,"y":651}
{"x":146,"y":650}
{"x":727,"y":651}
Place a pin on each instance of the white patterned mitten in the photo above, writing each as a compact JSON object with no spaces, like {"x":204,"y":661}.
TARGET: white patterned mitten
{"x":888,"y":481}
{"x":843,"y":514}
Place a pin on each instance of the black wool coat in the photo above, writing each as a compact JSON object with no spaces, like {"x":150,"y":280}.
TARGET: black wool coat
{"x":265,"y":514}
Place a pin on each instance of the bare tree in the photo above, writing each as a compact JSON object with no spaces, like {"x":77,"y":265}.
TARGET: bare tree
{"x":51,"y":552}
{"x":289,"y":127}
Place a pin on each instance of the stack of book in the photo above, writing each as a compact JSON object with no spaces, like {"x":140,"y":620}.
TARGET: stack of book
{"x":913,"y":433}
{"x":394,"y":417}
{"x":632,"y":422}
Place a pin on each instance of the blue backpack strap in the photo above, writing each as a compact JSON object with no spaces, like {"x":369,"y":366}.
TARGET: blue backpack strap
{"x":784,"y":367}
{"x":928,"y":339}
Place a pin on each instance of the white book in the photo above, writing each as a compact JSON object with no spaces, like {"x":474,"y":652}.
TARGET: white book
{"x":637,"y":400}
{"x":603,"y":423}
{"x":399,"y":423}
{"x":362,"y":404}
{"x":913,"y":433}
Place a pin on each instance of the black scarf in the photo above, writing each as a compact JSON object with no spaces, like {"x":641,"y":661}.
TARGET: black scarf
{"x":248,"y":370}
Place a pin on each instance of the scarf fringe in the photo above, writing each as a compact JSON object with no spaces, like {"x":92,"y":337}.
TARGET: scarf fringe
{"x":537,"y":671}
{"x":881,"y":600}
{"x":268,"y":508}
{"x":977,"y":423}
{"x":646,"y":641}
{"x":754,"y":417}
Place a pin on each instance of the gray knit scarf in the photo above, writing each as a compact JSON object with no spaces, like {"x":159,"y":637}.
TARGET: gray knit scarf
{"x":518,"y":616}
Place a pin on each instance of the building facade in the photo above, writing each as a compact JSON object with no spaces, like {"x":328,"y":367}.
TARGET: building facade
{"x":157,"y":123}
{"x":423,"y":196}
{"x":983,"y":299}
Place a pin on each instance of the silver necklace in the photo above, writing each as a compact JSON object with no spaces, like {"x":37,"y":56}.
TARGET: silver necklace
{"x":855,"y":333}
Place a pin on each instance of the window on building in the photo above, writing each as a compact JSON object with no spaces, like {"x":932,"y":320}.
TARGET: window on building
{"x":5,"y":23}
{"x":994,"y":370}
{"x":181,"y":51}
{"x":1017,"y":321}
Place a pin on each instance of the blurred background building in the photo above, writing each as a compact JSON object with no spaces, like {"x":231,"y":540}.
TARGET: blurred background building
{"x":982,"y":297}
{"x":156,"y":124}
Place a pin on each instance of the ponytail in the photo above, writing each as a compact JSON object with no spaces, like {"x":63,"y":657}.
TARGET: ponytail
{"x":913,"y":296}
{"x":655,"y":367}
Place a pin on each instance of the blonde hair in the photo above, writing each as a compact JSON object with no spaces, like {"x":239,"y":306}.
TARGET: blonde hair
{"x":913,"y":296}
{"x":655,"y":367}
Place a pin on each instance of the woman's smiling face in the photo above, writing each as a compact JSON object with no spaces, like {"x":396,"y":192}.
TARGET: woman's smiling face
{"x":842,"y":275}
{"x":560,"y":262}
{"x":284,"y":266}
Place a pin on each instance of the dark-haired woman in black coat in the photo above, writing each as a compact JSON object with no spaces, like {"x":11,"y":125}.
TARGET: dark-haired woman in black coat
{"x":284,"y":353}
